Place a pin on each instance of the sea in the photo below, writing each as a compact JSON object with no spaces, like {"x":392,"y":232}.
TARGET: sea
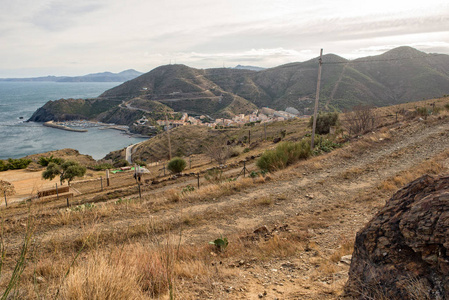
{"x":18,"y":138}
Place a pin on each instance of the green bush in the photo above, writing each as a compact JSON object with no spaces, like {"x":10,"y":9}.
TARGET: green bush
{"x":3,"y":166}
{"x":44,"y":161}
{"x":121,"y":163}
{"x":14,"y":164}
{"x":140,"y":163}
{"x":176,"y":165}
{"x":101,"y":167}
{"x":324,"y":121}
{"x":271,"y":161}
{"x":324,"y":145}
{"x":285,"y":154}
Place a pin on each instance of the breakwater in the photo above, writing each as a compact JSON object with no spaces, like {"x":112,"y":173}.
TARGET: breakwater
{"x":63,"y":127}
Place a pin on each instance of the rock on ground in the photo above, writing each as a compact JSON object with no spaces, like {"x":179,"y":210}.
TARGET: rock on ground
{"x":403,"y":252}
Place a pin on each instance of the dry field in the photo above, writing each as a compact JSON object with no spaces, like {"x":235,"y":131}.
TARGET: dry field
{"x":113,"y":244}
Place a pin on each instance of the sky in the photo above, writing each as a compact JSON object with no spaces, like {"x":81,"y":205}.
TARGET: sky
{"x":77,"y":37}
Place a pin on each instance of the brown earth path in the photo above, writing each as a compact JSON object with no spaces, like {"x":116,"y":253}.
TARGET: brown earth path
{"x":325,"y":190}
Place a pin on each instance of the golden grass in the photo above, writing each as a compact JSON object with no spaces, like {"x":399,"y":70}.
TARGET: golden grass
{"x":264,"y":201}
{"x":131,"y":264}
{"x":346,"y":247}
{"x":101,"y":278}
{"x":433,"y":166}
{"x":352,"y":173}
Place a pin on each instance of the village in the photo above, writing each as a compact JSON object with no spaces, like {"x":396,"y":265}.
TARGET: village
{"x":263,"y":115}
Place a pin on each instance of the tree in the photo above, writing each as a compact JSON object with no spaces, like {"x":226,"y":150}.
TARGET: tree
{"x":361,"y":119}
{"x":66,"y":171}
{"x":220,"y":152}
{"x":176,"y":165}
{"x":324,"y":121}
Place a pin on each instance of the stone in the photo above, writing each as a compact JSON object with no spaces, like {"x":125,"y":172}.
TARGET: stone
{"x":262,"y":230}
{"x":406,"y":245}
{"x":346,"y":259}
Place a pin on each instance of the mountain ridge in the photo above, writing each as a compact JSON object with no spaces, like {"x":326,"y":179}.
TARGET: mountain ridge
{"x":400,"y":75}
{"x":93,"y":77}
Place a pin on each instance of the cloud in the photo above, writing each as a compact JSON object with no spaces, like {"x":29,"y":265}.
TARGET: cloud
{"x":114,"y":35}
{"x":60,"y":15}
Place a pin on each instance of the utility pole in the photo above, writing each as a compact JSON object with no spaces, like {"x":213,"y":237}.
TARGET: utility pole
{"x":168,"y":135}
{"x":265,"y":130}
{"x":315,"y":113}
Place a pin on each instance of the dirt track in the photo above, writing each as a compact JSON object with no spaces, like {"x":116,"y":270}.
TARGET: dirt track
{"x":332,"y":192}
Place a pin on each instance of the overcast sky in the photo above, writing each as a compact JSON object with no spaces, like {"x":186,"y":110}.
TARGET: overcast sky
{"x":77,"y":37}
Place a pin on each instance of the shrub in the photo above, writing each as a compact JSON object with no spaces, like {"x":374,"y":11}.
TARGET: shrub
{"x":361,"y":119}
{"x":3,"y":166}
{"x":324,"y":121}
{"x":121,"y":163}
{"x":220,"y":244}
{"x":100,"y":167}
{"x":325,"y":145}
{"x":140,"y":163}
{"x":285,"y":154}
{"x":44,"y":161}
{"x":422,"y":111}
{"x":15,"y":164}
{"x":219,"y":152}
{"x":271,"y":161}
{"x":446,"y":106}
{"x":214,"y":176}
{"x":176,"y":165}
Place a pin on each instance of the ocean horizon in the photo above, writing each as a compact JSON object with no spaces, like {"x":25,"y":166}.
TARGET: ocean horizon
{"x":19,"y":100}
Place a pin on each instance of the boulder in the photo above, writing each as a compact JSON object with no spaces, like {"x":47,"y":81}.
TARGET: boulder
{"x":403,"y":252}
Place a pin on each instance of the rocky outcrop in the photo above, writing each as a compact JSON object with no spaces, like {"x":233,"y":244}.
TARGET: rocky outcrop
{"x":403,"y":253}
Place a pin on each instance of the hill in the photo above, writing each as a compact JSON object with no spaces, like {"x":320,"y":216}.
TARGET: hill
{"x":400,"y":75}
{"x":95,"y":77}
{"x":290,"y":234}
{"x":252,"y":68}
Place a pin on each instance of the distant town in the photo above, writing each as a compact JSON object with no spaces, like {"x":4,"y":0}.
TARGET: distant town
{"x":263,"y":115}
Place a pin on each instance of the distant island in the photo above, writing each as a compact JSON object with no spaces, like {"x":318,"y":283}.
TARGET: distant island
{"x":95,"y":77}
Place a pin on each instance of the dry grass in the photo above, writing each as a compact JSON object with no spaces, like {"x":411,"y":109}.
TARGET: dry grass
{"x":264,"y":201}
{"x":433,"y":166}
{"x":346,"y":247}
{"x":352,"y":173}
{"x":101,"y":278}
{"x":141,"y":261}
